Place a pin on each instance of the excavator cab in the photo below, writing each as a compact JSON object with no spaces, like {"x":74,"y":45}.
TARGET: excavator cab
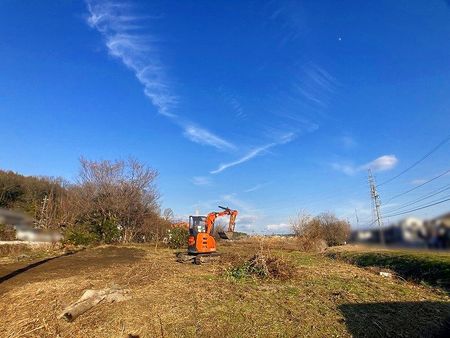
{"x":197,"y":224}
{"x":200,"y":240}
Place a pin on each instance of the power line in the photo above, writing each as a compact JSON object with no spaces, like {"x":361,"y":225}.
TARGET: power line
{"x":447,"y":198}
{"x":433,"y":193}
{"x":440,"y":144}
{"x":321,"y":199}
{"x":369,"y":224}
{"x":417,"y":187}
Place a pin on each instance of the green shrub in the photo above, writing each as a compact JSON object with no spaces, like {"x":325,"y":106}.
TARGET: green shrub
{"x":177,"y":238}
{"x":107,"y":230}
{"x":80,"y":236}
{"x":246,"y":270}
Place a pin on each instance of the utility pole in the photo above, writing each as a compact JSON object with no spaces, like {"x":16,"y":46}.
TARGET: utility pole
{"x":43,"y":218}
{"x":377,"y":205}
{"x":357,"y":218}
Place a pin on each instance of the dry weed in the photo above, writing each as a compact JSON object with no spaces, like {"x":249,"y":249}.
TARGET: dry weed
{"x":261,"y":265}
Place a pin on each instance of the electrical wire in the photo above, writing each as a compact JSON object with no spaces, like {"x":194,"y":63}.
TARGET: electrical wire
{"x":447,"y":198}
{"x":440,"y":144}
{"x":417,"y":187}
{"x":433,"y":193}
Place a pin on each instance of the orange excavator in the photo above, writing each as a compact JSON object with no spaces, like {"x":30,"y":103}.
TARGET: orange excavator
{"x":201,"y":243}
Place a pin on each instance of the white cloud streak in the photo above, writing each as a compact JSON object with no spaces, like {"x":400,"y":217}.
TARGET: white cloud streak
{"x":418,"y":181}
{"x":199,"y":135}
{"x":382,"y":163}
{"x":253,"y":153}
{"x":255,"y":188}
{"x":286,"y":138}
{"x":122,"y":33}
{"x":290,"y":17}
{"x":316,"y":85}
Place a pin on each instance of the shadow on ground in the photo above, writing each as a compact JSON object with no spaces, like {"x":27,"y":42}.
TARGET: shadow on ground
{"x":80,"y":263}
{"x":398,"y":319}
{"x":14,"y":273}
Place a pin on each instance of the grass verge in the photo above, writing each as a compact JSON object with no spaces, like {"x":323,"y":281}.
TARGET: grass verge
{"x":431,"y":268}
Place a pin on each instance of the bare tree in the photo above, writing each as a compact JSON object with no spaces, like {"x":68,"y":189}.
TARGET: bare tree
{"x":115,"y":196}
{"x":168,"y":214}
{"x":335,"y":231}
{"x":325,"y":227}
{"x":300,"y":223}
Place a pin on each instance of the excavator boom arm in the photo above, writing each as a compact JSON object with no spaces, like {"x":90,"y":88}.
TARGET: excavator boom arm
{"x":211,"y":218}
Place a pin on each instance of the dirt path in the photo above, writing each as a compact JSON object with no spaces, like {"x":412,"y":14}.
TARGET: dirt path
{"x":67,"y":265}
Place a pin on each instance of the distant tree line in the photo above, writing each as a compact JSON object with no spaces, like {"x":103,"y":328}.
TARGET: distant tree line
{"x":111,"y":201}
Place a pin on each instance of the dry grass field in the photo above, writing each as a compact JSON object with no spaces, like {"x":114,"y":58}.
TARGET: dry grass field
{"x":322,"y":297}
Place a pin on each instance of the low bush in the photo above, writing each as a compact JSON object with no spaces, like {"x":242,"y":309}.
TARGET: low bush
{"x":80,"y":236}
{"x":177,"y":238}
{"x":324,"y":228}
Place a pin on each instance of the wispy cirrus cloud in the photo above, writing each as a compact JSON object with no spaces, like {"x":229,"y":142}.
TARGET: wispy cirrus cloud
{"x":418,"y":181}
{"x":315,"y":85}
{"x":201,"y":180}
{"x":348,"y":142}
{"x":347,"y":169}
{"x":123,"y":35}
{"x":233,"y":101}
{"x":306,"y":99}
{"x":255,"y":187}
{"x":382,"y":163}
{"x":247,"y":157}
{"x":289,"y":16}
{"x":203,"y":136}
{"x":254,"y":153}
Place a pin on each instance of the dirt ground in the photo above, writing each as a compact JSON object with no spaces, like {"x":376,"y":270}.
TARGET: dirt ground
{"x":324,"y":298}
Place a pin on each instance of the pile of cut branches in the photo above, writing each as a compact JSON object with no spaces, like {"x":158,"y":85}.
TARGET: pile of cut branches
{"x":262,"y":266}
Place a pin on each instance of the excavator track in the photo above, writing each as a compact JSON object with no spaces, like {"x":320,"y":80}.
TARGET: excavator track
{"x":198,"y":259}
{"x":185,"y":258}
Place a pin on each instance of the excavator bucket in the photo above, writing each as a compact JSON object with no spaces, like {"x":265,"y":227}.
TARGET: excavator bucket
{"x":226,"y":234}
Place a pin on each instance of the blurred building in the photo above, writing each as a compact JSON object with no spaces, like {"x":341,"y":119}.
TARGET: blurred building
{"x":410,"y":232}
{"x":22,"y":227}
{"x":438,"y":231}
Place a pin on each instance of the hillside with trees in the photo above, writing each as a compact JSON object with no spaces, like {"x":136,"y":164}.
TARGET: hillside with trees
{"x":110,"y":201}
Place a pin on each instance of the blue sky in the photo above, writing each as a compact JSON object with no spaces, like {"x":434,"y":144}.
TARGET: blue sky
{"x":269,"y":107}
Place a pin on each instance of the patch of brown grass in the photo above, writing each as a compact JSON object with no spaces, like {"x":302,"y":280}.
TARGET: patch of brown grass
{"x":13,"y":249}
{"x":169,"y":299}
{"x":285,"y":243}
